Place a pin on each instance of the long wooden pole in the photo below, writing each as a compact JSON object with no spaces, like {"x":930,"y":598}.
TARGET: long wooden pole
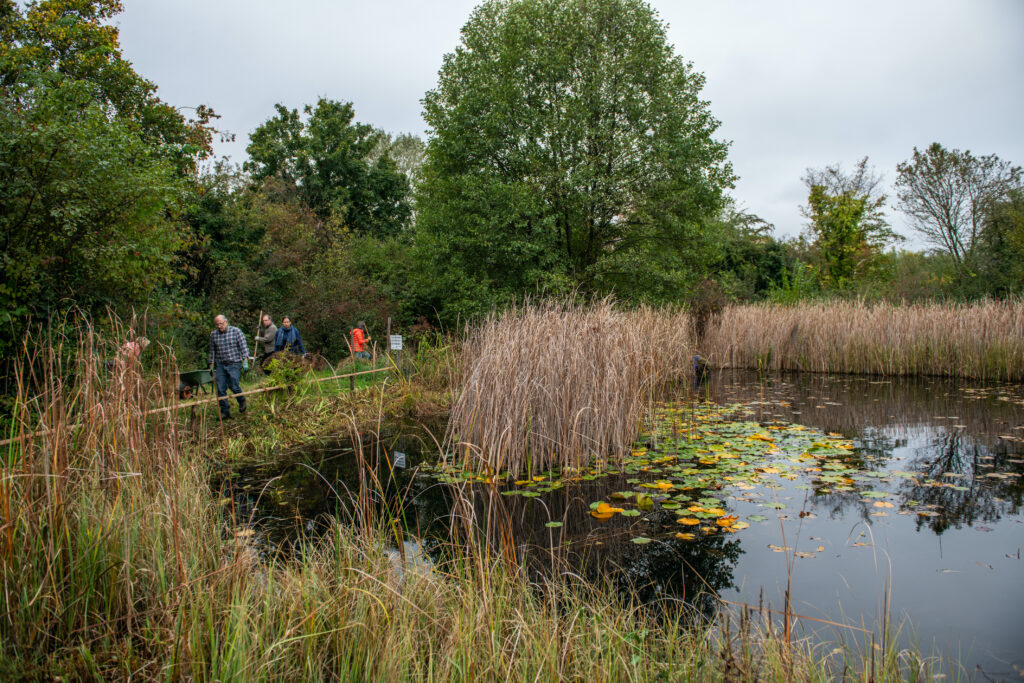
{"x":255,"y":343}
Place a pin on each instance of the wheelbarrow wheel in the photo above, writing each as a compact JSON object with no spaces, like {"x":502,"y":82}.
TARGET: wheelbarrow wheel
{"x":185,"y":392}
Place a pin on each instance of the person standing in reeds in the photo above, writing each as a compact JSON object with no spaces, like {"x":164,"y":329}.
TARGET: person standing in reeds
{"x":128,"y":370}
{"x":229,"y":355}
{"x":359,"y":341}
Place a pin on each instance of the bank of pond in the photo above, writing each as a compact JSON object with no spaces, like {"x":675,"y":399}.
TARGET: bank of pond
{"x":860,"y":510}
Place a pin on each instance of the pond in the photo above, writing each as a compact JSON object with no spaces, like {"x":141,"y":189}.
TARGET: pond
{"x":868,"y":498}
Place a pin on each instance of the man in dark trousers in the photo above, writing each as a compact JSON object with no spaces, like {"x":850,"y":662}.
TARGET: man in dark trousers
{"x":228,"y":354}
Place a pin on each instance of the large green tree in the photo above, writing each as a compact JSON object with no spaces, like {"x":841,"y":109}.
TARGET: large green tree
{"x":342,"y":173}
{"x":569,"y":147}
{"x":92,"y":167}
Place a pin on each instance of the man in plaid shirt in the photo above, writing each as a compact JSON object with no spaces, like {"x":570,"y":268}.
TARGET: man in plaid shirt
{"x":228,"y":352}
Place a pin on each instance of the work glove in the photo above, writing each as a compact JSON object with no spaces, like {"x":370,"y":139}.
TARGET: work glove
{"x":245,"y":365}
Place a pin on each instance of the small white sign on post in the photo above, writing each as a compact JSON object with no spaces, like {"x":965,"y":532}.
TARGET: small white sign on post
{"x":396,"y":342}
{"x":398,"y":459}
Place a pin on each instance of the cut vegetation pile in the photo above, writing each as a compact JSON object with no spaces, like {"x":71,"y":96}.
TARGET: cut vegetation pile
{"x":982,"y":340}
{"x":556,"y":384}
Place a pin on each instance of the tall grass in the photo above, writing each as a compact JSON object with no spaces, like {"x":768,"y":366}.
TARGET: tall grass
{"x":117,"y":562}
{"x":557,"y":383}
{"x":983,"y":340}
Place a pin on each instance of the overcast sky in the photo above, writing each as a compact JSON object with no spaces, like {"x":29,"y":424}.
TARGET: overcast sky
{"x":795,"y":84}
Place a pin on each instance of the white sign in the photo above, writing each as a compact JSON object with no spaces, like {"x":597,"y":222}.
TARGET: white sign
{"x":396,"y":342}
{"x":398,"y":459}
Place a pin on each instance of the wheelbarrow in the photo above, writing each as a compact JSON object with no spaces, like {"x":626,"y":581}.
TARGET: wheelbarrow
{"x":188,"y":382}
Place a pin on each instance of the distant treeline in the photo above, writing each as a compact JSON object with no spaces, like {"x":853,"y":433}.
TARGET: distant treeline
{"x":564,"y":156}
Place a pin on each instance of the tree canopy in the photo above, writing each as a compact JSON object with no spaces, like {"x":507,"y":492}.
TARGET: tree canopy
{"x":568,"y":145}
{"x":847,"y":222}
{"x":948,"y":193}
{"x":344,"y":173}
{"x":92,"y":166}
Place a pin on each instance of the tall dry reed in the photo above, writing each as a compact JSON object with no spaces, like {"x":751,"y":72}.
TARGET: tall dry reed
{"x":983,"y":340}
{"x":558,"y":383}
{"x":118,"y":563}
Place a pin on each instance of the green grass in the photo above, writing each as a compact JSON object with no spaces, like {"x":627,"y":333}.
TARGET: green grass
{"x":117,"y":562}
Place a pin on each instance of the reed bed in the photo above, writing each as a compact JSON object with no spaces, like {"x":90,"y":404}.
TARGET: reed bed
{"x":117,"y":562}
{"x":983,"y":340}
{"x":560,"y":383}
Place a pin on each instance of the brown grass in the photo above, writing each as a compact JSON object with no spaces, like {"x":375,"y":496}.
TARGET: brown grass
{"x":562,"y":382}
{"x":117,"y":563}
{"x":547,"y":384}
{"x":983,"y":340}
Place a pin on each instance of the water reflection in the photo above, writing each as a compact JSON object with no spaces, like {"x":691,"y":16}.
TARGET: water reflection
{"x":951,"y":433}
{"x":947,"y":455}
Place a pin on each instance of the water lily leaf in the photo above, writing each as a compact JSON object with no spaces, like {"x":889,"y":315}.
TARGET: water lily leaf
{"x":553,"y":525}
{"x":630,"y":513}
{"x":641,"y":540}
{"x":756,"y":518}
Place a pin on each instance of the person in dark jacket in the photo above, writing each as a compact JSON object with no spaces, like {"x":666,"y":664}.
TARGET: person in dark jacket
{"x":288,"y":338}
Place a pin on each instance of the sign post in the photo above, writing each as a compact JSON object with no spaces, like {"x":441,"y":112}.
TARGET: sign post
{"x":395,"y":344}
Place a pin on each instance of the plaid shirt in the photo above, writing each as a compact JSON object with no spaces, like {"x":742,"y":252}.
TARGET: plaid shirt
{"x":228,"y":347}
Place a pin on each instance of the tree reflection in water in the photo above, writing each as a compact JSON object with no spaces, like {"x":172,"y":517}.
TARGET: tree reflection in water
{"x":947,"y":431}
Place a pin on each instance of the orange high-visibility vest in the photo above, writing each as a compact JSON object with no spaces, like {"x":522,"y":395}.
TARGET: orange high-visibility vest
{"x":358,"y":340}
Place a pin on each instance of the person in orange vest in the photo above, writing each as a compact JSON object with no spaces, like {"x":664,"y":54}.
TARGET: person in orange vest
{"x":359,"y":341}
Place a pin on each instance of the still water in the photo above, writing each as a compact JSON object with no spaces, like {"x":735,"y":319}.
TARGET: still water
{"x":920,"y":521}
